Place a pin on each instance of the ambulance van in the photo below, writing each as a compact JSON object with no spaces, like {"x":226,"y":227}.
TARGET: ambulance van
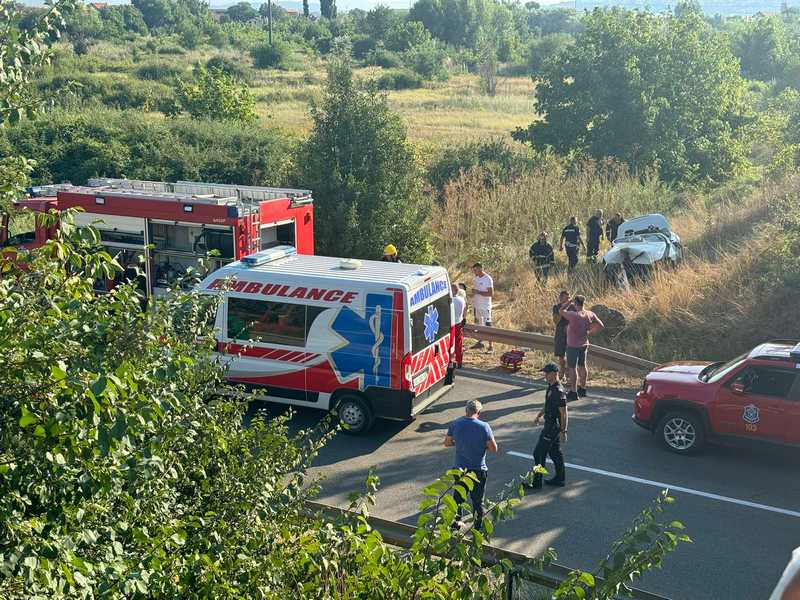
{"x":366,"y":338}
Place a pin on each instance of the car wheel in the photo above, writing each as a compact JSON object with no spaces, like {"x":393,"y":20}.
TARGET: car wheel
{"x":355,"y":414}
{"x":682,"y":432}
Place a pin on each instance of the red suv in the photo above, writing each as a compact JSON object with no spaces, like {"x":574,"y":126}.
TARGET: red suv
{"x":754,"y":396}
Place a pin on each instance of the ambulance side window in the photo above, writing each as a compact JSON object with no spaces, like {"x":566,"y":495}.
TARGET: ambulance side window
{"x":269,"y":322}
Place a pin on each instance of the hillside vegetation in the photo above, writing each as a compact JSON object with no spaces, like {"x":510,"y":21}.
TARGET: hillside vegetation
{"x":692,"y":117}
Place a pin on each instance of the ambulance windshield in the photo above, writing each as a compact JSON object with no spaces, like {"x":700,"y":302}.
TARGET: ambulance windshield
{"x":430,"y":323}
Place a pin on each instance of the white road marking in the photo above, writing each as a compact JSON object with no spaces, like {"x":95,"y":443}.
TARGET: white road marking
{"x":675,"y":488}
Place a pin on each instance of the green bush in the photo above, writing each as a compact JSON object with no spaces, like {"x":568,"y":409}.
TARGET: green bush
{"x":362,"y":45}
{"x":215,"y":95}
{"x":113,"y":90}
{"x":230,"y":67}
{"x":387,"y":59}
{"x":402,"y":79}
{"x":159,"y":71}
{"x":169,"y":47}
{"x":428,"y":61}
{"x":500,"y":161}
{"x":74,"y":146}
{"x":275,"y":56}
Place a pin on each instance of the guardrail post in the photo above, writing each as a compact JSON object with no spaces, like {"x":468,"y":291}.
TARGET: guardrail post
{"x":510,"y":585}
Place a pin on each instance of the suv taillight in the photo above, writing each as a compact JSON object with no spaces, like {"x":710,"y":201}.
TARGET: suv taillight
{"x":406,"y":374}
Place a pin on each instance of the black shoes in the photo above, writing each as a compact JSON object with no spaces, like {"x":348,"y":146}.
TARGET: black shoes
{"x":555,"y":482}
{"x":571,"y":396}
{"x":582,"y":392}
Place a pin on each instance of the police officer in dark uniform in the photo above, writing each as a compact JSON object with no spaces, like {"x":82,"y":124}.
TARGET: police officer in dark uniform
{"x":555,"y":428}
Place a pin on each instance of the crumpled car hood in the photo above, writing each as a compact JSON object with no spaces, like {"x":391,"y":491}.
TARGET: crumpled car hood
{"x":640,"y":253}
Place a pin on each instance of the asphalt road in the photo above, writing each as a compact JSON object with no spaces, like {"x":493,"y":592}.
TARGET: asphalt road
{"x":739,"y":549}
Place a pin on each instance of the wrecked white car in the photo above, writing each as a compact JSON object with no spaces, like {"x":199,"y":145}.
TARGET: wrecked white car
{"x":641,"y":244}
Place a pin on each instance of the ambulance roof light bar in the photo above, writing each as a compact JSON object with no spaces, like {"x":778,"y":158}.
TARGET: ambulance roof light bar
{"x":268,"y":255}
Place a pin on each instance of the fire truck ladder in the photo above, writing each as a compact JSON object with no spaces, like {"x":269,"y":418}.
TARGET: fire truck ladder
{"x":244,"y":193}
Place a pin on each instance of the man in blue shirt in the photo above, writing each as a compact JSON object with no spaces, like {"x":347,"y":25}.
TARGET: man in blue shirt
{"x":471,"y":438}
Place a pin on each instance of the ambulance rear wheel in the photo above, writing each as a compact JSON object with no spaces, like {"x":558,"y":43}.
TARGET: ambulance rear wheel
{"x":355,"y":414}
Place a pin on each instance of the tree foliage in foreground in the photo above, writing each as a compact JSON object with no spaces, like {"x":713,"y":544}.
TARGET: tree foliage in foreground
{"x":124,"y":473}
{"x":648,"y":90}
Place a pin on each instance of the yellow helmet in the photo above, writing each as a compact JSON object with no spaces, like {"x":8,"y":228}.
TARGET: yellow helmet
{"x":390,"y":250}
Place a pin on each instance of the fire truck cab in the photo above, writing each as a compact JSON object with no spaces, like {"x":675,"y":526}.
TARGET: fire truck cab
{"x":166,"y":227}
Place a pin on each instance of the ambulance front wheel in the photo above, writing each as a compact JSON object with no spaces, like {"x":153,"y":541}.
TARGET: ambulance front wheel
{"x":355,"y":414}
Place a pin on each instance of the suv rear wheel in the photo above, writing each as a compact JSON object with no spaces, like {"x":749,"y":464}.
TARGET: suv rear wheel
{"x":682,"y":432}
{"x":355,"y":414}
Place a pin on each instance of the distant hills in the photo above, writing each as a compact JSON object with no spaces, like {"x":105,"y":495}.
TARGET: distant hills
{"x":710,"y":7}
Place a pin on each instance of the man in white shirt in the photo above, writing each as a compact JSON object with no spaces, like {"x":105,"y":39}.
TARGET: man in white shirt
{"x":459,"y":306}
{"x":482,"y":293}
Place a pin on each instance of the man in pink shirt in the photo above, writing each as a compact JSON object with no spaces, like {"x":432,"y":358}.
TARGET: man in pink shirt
{"x":582,"y":324}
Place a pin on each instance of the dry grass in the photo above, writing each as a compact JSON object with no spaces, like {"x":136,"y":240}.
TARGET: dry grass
{"x":498,"y":225}
{"x":715,"y":305}
{"x":440,"y":113}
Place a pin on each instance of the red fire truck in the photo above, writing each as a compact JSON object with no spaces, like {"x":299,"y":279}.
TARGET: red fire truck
{"x":167,"y":227}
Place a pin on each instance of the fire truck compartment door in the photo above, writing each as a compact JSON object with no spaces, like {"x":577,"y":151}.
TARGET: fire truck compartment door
{"x":111,"y":222}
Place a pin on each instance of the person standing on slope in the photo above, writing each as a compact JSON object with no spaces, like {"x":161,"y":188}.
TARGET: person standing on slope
{"x":570,"y":240}
{"x":482,"y":292}
{"x":594,"y":233}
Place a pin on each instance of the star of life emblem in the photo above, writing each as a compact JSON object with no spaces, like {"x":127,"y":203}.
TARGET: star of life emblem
{"x":751,"y":414}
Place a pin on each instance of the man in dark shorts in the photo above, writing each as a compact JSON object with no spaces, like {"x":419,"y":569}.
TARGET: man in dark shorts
{"x":570,"y":240}
{"x":560,"y":334}
{"x":554,"y":432}
{"x":582,"y":324}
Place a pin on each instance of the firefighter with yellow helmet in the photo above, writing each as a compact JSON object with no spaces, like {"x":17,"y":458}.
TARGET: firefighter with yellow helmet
{"x":390,"y":254}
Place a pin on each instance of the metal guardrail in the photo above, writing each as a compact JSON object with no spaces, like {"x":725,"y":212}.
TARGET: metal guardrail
{"x":402,"y":536}
{"x":604,"y":357}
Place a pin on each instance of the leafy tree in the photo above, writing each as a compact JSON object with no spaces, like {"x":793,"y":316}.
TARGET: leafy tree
{"x":686,"y":7}
{"x":365,"y":175}
{"x":173,"y":15}
{"x":327,"y":9}
{"x":543,"y":49}
{"x":406,"y":35}
{"x":132,"y":19}
{"x":647,"y":90}
{"x":241,"y":12}
{"x":762,"y":48}
{"x":156,"y":13}
{"x":379,"y":21}
{"x":279,"y":13}
{"x":306,"y":12}
{"x":216,"y":95}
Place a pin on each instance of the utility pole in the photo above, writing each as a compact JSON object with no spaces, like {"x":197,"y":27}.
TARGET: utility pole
{"x":269,"y":20}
